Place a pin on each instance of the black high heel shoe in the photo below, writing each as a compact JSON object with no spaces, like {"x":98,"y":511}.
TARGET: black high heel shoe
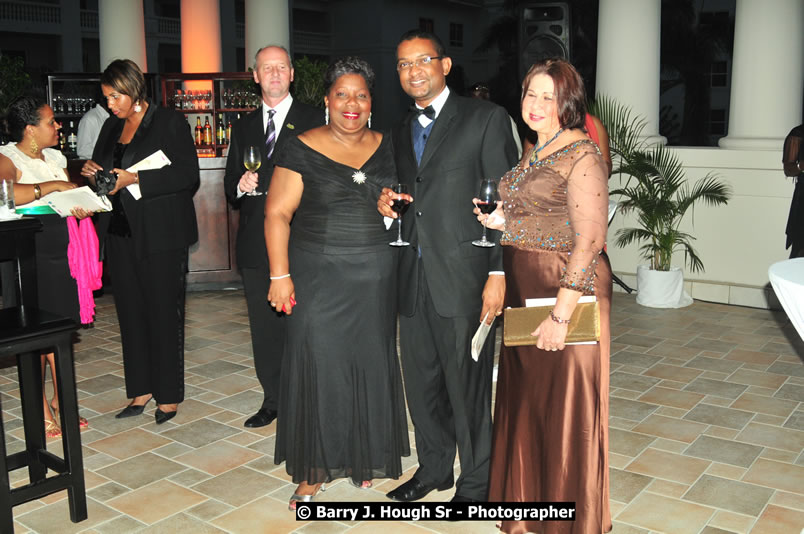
{"x":132,"y":409}
{"x":164,"y":417}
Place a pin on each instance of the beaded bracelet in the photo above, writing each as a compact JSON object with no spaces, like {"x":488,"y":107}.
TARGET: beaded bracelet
{"x":279,"y":277}
{"x":558,"y":319}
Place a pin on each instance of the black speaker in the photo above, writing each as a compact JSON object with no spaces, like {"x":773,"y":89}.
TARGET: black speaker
{"x":544,"y":31}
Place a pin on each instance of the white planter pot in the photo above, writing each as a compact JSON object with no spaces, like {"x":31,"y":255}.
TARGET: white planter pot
{"x":661,"y":289}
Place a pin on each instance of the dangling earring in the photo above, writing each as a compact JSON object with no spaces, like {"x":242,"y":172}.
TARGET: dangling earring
{"x":326,"y":115}
{"x":137,"y":107}
{"x":369,"y":121}
{"x":34,"y":147}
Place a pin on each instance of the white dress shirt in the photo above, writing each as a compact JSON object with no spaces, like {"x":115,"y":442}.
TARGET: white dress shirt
{"x":281,"y":114}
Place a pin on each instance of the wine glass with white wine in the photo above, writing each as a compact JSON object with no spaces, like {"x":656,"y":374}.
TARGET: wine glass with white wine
{"x":252,"y":160}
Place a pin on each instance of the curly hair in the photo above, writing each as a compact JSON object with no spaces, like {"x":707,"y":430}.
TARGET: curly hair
{"x":349,"y":65}
{"x":23,"y":112}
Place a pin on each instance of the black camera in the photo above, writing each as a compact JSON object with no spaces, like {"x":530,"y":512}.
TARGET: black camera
{"x":105,"y":181}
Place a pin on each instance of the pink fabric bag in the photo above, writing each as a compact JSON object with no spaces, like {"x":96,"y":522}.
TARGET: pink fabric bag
{"x":85,"y":267}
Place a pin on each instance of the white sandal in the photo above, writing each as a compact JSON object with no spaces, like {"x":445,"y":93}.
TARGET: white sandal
{"x":304,"y":498}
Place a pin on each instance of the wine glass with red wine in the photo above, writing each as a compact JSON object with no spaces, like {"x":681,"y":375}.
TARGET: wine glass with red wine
{"x":487,"y":203}
{"x":400,"y":206}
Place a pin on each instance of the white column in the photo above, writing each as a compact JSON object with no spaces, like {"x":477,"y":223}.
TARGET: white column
{"x":267,"y":22}
{"x":121,"y":31}
{"x":767,"y":78}
{"x":200,"y":36}
{"x":628,"y":63}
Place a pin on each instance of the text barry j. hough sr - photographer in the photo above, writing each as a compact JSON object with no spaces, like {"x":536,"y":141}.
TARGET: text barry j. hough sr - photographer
{"x":431,"y":511}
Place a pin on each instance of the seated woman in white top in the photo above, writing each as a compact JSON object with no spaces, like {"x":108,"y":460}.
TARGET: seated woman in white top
{"x":37,"y":171}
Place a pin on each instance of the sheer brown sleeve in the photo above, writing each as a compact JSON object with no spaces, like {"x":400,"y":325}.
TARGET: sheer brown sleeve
{"x":587,"y":204}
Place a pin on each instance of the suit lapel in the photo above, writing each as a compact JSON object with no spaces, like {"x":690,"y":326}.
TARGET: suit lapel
{"x":440,"y":129}
{"x":406,"y":140}
{"x":256,"y":132}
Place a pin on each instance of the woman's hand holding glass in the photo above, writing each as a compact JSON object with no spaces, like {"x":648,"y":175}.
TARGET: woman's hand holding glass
{"x":486,"y":202}
{"x":386,"y":201}
{"x":282,"y":295}
{"x":494,"y":220}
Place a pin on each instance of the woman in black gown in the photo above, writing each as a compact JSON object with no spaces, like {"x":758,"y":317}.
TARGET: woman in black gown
{"x":341,"y":406}
{"x":793,"y":160}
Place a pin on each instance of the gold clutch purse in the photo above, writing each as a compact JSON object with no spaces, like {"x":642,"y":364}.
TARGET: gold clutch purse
{"x":584,"y":324}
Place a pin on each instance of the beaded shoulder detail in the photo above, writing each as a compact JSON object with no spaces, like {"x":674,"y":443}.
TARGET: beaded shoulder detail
{"x":560,"y":153}
{"x":559,"y":205}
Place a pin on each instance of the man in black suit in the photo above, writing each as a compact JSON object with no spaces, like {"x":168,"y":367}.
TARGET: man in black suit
{"x":443,"y":148}
{"x":268,"y":127}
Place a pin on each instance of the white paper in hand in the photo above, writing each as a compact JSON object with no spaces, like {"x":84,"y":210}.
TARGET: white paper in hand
{"x":157,"y":160}
{"x":62,"y":202}
{"x":479,"y":339}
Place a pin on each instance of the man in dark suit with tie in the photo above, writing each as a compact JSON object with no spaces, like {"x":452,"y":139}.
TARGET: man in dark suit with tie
{"x":268,"y":127}
{"x":443,"y":149}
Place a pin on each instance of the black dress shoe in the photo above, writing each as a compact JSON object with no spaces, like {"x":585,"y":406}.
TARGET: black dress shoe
{"x":461,"y":498}
{"x":414,"y":489}
{"x":262,"y":418}
{"x":132,"y":409}
{"x":163,"y":417}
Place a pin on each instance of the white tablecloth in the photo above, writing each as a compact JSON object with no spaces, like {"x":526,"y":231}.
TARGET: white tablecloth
{"x":787,"y":279}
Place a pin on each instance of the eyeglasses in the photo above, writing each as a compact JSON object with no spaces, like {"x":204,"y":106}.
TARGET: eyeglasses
{"x":426,"y":60}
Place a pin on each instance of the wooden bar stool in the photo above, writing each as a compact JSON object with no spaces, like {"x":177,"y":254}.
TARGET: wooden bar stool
{"x":27,"y":335}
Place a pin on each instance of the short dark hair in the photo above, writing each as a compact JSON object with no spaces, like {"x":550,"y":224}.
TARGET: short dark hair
{"x":125,"y":77}
{"x":349,"y":65}
{"x":24,"y":111}
{"x":569,"y":90}
{"x":424,"y":34}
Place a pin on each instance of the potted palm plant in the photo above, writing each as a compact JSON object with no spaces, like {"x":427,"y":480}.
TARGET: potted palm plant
{"x":657,"y":191}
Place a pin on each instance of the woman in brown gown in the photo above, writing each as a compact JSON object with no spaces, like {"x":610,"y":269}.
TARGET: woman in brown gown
{"x":550,"y":439}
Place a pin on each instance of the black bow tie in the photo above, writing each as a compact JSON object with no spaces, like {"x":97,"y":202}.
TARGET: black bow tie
{"x":428,"y":112}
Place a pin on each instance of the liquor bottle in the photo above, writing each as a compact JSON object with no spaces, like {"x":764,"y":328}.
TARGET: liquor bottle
{"x":72,"y":139}
{"x":207,"y":132}
{"x":62,"y":142}
{"x":220,"y":133}
{"x":199,"y":132}
{"x":228,"y":132}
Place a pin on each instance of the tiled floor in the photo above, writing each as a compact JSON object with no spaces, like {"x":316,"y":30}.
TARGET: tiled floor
{"x":707,"y":432}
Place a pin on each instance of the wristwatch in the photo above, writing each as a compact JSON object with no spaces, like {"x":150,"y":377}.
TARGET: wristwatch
{"x":37,"y":192}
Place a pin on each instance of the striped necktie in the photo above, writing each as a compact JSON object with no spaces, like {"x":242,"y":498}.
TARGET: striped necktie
{"x":270,"y":135}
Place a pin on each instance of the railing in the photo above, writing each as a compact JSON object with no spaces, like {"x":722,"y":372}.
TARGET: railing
{"x":30,"y":12}
{"x":168,"y":26}
{"x":303,"y":41}
{"x":89,"y":20}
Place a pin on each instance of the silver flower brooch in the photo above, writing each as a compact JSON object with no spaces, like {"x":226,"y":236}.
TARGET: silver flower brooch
{"x":359,"y":177}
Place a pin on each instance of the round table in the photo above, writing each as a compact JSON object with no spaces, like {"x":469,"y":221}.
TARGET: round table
{"x":787,"y":279}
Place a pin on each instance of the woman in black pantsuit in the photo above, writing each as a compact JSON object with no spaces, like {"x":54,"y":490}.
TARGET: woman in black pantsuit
{"x":146,"y":240}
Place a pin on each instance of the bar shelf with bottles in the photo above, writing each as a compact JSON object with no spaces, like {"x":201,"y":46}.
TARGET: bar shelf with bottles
{"x":211,"y":102}
{"x":70,"y":96}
